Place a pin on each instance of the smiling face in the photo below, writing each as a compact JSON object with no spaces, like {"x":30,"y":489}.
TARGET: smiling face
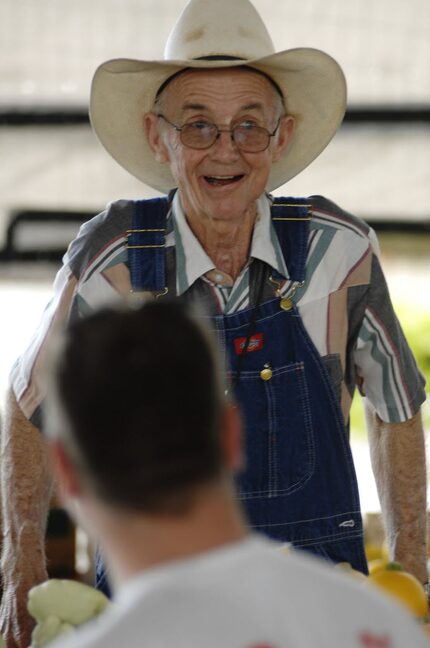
{"x":220,"y":183}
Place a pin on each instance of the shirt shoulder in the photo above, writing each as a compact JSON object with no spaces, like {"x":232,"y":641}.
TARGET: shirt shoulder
{"x":103,"y":234}
{"x":328,"y":214}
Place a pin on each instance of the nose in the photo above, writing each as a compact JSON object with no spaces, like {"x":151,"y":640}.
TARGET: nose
{"x":225,"y":147}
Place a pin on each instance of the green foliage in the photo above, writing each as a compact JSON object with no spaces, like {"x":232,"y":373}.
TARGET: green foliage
{"x":358,"y":423}
{"x":415,"y":321}
{"x":416,"y":326}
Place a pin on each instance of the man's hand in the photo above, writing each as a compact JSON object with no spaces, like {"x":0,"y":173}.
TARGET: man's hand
{"x":399,"y":465}
{"x":26,"y":485}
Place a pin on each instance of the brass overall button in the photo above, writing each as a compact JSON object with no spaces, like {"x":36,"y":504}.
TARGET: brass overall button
{"x":266,"y":373}
{"x":286,"y":304}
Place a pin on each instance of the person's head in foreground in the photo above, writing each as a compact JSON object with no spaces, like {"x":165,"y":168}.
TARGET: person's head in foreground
{"x":145,"y":446}
{"x":140,"y":431}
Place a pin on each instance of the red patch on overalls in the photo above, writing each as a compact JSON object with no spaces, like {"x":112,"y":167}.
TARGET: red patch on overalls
{"x":255,"y":344}
{"x":369,"y":640}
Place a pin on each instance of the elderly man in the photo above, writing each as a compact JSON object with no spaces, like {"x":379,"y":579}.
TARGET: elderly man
{"x":293,"y":288}
{"x":159,"y":495}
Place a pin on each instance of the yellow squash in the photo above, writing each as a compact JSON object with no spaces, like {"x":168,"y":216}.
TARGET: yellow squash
{"x":404,"y":587}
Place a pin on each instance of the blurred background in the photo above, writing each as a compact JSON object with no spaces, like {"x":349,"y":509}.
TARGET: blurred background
{"x":54,"y":174}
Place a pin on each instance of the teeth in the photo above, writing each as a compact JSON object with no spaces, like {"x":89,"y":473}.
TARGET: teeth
{"x":223,"y":177}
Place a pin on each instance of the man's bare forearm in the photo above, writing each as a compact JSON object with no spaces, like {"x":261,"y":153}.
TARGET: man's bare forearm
{"x":26,"y":486}
{"x":399,"y":464}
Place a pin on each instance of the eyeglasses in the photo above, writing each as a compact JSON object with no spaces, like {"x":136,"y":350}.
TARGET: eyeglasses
{"x":202,"y":134}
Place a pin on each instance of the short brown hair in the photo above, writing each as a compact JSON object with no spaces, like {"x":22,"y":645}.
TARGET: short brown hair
{"x":141,"y":395}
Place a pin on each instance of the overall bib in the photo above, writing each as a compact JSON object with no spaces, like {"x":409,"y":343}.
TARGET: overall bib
{"x":298,"y":484}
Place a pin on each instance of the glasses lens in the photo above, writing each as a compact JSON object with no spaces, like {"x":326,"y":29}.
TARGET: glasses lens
{"x":251,"y":138}
{"x":199,"y":134}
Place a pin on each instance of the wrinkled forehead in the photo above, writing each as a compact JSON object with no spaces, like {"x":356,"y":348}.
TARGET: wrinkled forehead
{"x":198,"y":78}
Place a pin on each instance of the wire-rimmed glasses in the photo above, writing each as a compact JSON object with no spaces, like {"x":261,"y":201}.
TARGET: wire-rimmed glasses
{"x":201,"y":134}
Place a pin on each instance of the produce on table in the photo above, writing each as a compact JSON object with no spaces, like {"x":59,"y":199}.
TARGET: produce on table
{"x":377,"y":564}
{"x":286,"y":548}
{"x":374,"y":550}
{"x":60,"y":606}
{"x":403,"y":586}
{"x":47,"y":630}
{"x":346,"y":568}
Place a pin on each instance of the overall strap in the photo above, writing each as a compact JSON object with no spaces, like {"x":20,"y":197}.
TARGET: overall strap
{"x":146,"y":246}
{"x":291,"y":217}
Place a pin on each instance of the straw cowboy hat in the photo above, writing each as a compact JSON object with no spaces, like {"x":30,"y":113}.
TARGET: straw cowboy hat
{"x":209,"y":34}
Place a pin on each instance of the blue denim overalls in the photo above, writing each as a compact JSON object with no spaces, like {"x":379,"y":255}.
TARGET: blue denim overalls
{"x":298,"y":483}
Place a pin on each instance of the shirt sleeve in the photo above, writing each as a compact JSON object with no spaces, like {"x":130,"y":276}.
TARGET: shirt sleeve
{"x":27,"y":372}
{"x":387,"y":373}
{"x":93,"y":275}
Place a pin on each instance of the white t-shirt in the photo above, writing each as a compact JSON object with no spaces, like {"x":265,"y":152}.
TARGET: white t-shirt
{"x":248,"y":595}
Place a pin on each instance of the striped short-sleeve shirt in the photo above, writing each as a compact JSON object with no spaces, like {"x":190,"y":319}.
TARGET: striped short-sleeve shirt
{"x":344,"y":303}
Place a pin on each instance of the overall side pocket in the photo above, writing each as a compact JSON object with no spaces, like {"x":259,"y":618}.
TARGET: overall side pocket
{"x":279,"y":440}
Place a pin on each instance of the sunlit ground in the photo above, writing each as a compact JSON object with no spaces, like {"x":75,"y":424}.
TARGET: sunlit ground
{"x":24,"y":292}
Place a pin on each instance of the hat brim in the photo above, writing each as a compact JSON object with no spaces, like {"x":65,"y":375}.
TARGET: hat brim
{"x":123,"y":90}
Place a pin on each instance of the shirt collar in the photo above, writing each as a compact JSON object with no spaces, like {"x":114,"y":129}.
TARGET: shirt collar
{"x":265,"y":245}
{"x":192,"y":262}
{"x":191,"y":259}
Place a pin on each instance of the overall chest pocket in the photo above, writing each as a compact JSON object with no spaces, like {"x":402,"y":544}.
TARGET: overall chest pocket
{"x":279,"y":443}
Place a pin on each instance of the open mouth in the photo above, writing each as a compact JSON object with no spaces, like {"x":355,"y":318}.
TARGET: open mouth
{"x":221,"y":181}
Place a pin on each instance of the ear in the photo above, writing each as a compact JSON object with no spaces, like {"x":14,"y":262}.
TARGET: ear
{"x":232,"y":438}
{"x":151,"y":126}
{"x":64,"y":471}
{"x":285,"y":134}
